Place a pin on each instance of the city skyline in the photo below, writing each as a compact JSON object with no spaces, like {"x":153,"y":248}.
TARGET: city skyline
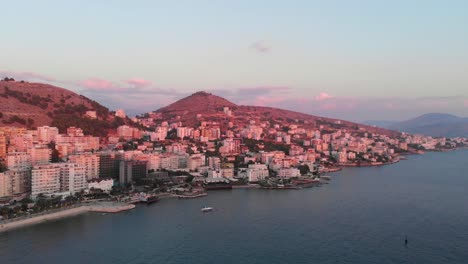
{"x":355,"y":61}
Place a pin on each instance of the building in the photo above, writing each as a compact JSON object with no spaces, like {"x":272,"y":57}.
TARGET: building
{"x":120,"y":113}
{"x":57,"y":178}
{"x":19,"y":181}
{"x":90,"y":162}
{"x":4,"y":191}
{"x":214,"y":163}
{"x":107,"y":166}
{"x":102,"y":184}
{"x":47,"y":134}
{"x":45,"y":179}
{"x":289,"y":173}
{"x":3,"y":146}
{"x":91,"y":114}
{"x":72,"y":178}
{"x":132,"y":170}
{"x":18,"y":160}
{"x":40,"y":155}
{"x":195,"y":161}
{"x":257,"y":172}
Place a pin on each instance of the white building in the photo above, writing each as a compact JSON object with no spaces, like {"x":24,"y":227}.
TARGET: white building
{"x":72,"y":178}
{"x":289,"y":173}
{"x":45,"y":179}
{"x":103,"y":184}
{"x":57,"y":178}
{"x":257,"y":172}
{"x":120,"y":113}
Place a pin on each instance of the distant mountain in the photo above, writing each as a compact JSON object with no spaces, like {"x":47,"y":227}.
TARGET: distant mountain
{"x":24,"y":104}
{"x":203,"y":106}
{"x":380,"y":123}
{"x":434,"y":124}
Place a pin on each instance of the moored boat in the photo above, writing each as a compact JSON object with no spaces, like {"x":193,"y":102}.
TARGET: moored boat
{"x":206,"y":209}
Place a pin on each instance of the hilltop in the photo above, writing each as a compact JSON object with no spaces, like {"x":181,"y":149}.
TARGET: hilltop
{"x":30,"y":105}
{"x":203,"y":106}
{"x":199,"y":102}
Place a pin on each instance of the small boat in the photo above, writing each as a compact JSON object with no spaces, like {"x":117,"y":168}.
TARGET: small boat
{"x":149,"y":199}
{"x":206,"y":209}
{"x":325,"y":177}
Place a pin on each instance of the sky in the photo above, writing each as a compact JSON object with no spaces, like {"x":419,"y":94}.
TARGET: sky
{"x":351,"y":59}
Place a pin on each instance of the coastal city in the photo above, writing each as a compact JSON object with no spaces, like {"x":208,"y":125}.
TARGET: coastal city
{"x":45,"y":169}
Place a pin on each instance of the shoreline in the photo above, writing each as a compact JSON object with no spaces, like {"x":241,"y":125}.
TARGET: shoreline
{"x":116,"y":207}
{"x":102,"y":207}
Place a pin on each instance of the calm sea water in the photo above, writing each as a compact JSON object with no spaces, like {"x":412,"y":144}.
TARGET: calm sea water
{"x":362,"y":216}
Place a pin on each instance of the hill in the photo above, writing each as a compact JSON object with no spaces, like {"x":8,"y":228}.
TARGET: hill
{"x":24,"y":104}
{"x":434,"y":124}
{"x":203,"y":106}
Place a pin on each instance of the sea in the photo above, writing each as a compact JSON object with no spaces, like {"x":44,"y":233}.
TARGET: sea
{"x":363,"y":215}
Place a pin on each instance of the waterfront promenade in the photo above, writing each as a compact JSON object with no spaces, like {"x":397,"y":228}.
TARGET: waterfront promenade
{"x":51,"y":215}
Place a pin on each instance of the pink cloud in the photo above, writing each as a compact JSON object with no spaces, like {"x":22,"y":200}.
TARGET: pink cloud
{"x":465,"y":103}
{"x":97,"y":84}
{"x":260,"y":46}
{"x":323,"y":97}
{"x":27,"y":76}
{"x":138,"y":82}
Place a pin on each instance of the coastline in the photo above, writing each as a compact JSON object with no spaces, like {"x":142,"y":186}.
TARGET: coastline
{"x":102,"y":207}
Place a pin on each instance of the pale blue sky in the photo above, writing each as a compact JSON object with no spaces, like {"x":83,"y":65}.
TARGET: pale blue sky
{"x":372,"y":53}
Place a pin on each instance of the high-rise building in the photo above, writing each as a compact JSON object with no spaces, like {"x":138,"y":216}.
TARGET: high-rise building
{"x":40,"y":155}
{"x":45,"y":179}
{"x":3,"y":146}
{"x":20,"y":180}
{"x":132,"y":170}
{"x":4,"y":190}
{"x":18,"y":160}
{"x":47,"y":134}
{"x":72,"y":178}
{"x":106,"y":165}
{"x":90,"y":162}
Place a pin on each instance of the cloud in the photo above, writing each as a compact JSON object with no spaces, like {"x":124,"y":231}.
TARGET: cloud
{"x":97,"y":84}
{"x":135,"y":95}
{"x":257,"y":95}
{"x":27,"y":76}
{"x":322,"y":97}
{"x":465,"y":103}
{"x":138,"y":82}
{"x":260,"y":47}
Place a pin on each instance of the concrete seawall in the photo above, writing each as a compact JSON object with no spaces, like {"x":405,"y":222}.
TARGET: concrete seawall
{"x":42,"y":218}
{"x":103,"y":207}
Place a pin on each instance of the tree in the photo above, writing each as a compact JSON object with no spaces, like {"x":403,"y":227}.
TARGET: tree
{"x":55,"y":157}
{"x":189,"y":178}
{"x":2,"y":167}
{"x":304,"y":169}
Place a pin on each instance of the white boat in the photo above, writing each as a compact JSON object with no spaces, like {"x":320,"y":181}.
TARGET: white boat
{"x":325,"y":177}
{"x":206,"y":209}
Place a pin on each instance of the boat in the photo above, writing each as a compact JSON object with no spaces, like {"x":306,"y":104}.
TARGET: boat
{"x":206,"y":209}
{"x":149,"y":199}
{"x":217,"y":184}
{"x":325,"y":177}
